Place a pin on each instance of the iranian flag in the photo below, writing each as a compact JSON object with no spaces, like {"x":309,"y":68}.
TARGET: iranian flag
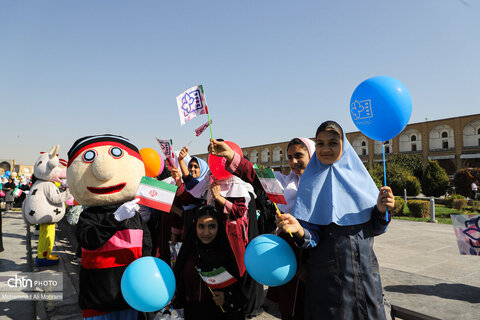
{"x":17,"y":192}
{"x":156,"y":194}
{"x":271,"y":186}
{"x":218,"y":278}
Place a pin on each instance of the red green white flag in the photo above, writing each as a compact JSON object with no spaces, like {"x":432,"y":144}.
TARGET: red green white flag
{"x":17,"y":192}
{"x":271,"y":185}
{"x":218,"y":278}
{"x":156,"y":194}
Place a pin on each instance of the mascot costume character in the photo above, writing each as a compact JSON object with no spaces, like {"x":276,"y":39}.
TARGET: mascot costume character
{"x":45,"y":204}
{"x":104,"y":173}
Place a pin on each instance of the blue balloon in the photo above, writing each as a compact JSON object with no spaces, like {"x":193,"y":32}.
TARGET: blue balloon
{"x":8,"y":173}
{"x":148,"y":284}
{"x":381,"y":107}
{"x":270,"y":260}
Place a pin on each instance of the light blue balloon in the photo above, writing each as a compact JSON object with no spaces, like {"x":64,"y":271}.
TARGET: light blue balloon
{"x":148,"y":284}
{"x":270,"y":260}
{"x":381,"y":107}
{"x":8,"y":173}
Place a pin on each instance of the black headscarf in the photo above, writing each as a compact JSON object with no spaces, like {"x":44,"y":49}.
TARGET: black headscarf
{"x":200,"y":251}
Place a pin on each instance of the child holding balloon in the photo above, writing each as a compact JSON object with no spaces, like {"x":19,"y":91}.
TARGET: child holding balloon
{"x":290,"y":296}
{"x":206,"y":271}
{"x":337,"y":213}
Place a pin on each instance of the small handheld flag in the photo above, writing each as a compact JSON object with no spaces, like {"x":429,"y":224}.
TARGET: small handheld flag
{"x":271,"y":185}
{"x":156,"y":194}
{"x":167,"y":149}
{"x":200,"y":130}
{"x":17,"y":192}
{"x":191,"y":103}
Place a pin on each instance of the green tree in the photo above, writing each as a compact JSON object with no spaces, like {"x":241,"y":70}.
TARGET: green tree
{"x":413,"y":163}
{"x":435,"y":180}
{"x":398,"y":178}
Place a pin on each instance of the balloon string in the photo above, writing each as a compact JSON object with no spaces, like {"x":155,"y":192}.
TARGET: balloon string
{"x":384,"y":178}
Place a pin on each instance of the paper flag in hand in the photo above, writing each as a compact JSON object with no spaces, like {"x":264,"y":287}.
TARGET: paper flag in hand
{"x":191,"y":103}
{"x":156,"y":194}
{"x":202,"y":128}
{"x":271,"y":186}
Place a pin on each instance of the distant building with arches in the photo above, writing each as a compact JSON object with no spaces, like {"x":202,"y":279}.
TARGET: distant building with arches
{"x":453,"y":142}
{"x":10,"y":165}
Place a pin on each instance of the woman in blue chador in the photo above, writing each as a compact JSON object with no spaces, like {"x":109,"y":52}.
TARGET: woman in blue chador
{"x":337,"y":213}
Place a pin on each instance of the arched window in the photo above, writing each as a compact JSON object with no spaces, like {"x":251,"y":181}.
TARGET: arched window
{"x":277,"y":154}
{"x":265,"y":156}
{"x":444,"y":134}
{"x":413,"y":138}
{"x":254,"y":156}
{"x":364,"y":143}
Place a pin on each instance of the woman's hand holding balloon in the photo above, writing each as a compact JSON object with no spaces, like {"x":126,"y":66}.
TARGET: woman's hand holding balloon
{"x":221,"y":149}
{"x":385,"y":200}
{"x":287,"y":223}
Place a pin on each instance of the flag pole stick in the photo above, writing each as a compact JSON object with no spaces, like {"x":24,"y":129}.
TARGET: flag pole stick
{"x":214,"y":295}
{"x":280,"y":215}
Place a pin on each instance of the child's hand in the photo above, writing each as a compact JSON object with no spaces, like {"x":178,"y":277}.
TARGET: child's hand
{"x":385,"y":200}
{"x":287,"y":223}
{"x":219,"y":298}
{"x":215,"y":188}
{"x":221,"y":149}
{"x":182,"y":154}
{"x":176,"y":174}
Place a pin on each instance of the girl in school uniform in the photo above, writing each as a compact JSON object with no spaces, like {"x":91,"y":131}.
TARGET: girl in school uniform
{"x":337,"y":213}
{"x":290,"y":296}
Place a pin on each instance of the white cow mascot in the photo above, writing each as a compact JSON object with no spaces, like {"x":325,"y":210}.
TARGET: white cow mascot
{"x":45,"y":204}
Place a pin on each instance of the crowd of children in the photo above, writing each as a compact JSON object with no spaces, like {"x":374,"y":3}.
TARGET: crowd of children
{"x":333,"y":211}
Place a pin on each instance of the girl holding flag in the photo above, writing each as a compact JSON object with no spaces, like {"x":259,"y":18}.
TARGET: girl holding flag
{"x":337,"y":213}
{"x":290,"y":296}
{"x":192,"y":174}
{"x":206,"y":271}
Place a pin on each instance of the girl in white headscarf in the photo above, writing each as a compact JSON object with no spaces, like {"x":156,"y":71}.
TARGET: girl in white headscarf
{"x":290,"y":296}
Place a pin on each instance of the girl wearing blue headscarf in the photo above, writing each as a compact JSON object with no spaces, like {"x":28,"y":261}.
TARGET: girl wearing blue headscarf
{"x":337,"y":213}
{"x":192,"y":174}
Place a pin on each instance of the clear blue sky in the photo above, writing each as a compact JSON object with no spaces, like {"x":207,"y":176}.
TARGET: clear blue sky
{"x":272,"y":70}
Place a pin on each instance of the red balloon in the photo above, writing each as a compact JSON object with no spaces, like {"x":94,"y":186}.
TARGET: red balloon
{"x":217,"y":164}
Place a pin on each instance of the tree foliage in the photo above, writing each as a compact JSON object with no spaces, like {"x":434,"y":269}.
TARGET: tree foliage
{"x":398,"y":178}
{"x":435,"y":180}
{"x":413,"y":163}
{"x":463,"y":180}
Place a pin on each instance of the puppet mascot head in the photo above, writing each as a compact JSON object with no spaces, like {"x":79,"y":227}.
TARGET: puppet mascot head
{"x":104,"y":170}
{"x":42,"y":205}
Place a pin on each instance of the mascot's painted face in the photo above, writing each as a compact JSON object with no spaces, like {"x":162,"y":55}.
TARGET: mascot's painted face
{"x":104,"y":170}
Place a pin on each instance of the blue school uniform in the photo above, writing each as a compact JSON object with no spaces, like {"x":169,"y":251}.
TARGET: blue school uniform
{"x":336,"y":205}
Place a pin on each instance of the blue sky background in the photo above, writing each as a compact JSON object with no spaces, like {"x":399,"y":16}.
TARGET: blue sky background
{"x":272,"y":70}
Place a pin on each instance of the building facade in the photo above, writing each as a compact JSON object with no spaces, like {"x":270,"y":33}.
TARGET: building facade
{"x":453,"y":142}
